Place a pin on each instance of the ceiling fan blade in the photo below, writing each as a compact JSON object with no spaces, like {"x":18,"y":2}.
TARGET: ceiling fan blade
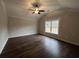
{"x":41,"y":10}
{"x":31,"y":9}
{"x":33,"y":12}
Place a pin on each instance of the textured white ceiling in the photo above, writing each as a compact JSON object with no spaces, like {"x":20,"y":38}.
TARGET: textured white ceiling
{"x":69,"y":3}
{"x":23,"y":5}
{"x":46,"y":4}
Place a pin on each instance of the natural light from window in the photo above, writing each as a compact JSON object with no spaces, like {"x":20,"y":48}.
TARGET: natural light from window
{"x":52,"y":26}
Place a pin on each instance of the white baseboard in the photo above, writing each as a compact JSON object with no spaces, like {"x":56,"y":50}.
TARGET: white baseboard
{"x":22,"y":35}
{"x":74,"y":43}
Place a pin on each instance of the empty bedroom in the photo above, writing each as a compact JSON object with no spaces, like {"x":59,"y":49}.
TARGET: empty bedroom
{"x":39,"y":28}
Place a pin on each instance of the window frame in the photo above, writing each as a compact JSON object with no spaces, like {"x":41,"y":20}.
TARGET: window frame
{"x":51,"y":27}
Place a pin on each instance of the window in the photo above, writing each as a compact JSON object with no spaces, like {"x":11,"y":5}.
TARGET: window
{"x":52,"y":26}
{"x":47,"y":26}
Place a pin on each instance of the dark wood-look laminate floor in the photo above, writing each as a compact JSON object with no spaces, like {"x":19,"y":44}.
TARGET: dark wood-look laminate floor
{"x":38,"y":46}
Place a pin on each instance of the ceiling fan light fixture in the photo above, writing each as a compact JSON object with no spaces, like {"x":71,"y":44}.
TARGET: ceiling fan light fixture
{"x":37,"y":10}
{"x":35,"y":7}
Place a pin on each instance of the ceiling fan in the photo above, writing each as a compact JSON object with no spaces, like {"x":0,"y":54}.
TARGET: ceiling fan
{"x":35,"y":7}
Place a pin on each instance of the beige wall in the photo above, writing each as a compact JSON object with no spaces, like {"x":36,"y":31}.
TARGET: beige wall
{"x":68,"y":26}
{"x":3,"y":26}
{"x":20,"y":27}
